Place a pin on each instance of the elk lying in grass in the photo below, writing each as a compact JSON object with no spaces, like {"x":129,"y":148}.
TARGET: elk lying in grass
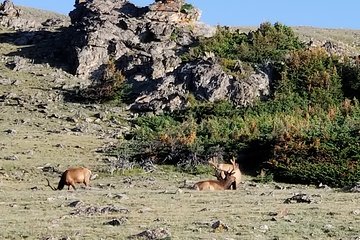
{"x":72,"y":176}
{"x":220,"y":184}
{"x":222,"y":168}
{"x":224,"y":183}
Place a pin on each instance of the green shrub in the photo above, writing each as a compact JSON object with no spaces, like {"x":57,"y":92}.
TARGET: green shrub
{"x":110,"y":87}
{"x":312,"y":75}
{"x":328,"y":153}
{"x":186,"y":8}
{"x":350,"y":75}
{"x":268,"y":43}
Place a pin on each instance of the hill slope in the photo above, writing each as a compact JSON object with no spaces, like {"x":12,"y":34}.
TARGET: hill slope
{"x":42,"y":132}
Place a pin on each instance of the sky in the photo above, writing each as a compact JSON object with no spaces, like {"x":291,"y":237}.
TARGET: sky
{"x":316,"y":13}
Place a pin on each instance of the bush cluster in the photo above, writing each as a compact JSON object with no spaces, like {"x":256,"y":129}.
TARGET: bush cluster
{"x":268,"y":43}
{"x":111,"y":86}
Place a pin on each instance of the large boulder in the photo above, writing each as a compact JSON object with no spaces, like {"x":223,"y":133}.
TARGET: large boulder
{"x":146,"y":44}
{"x":206,"y":81}
{"x":116,"y":29}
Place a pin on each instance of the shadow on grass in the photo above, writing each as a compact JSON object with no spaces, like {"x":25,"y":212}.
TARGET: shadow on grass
{"x":42,"y":46}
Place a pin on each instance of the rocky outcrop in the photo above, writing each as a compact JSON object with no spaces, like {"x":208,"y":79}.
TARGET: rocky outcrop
{"x":120,"y":30}
{"x":205,"y":80}
{"x":10,"y":17}
{"x":146,"y":44}
{"x":16,"y":18}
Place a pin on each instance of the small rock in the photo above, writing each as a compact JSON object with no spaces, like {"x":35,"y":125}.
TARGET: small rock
{"x":252,"y":184}
{"x":299,"y":198}
{"x":5,"y":81}
{"x":65,"y":238}
{"x":72,"y":119}
{"x":327,"y":228}
{"x":91,"y":210}
{"x":117,"y":221}
{"x":12,"y":158}
{"x":264,"y":228}
{"x":356,"y":188}
{"x":16,"y":83}
{"x":145,"y":209}
{"x":287,"y":219}
{"x":89,"y":120}
{"x":219,"y":226}
{"x":94,"y":176}
{"x":75,"y":203}
{"x":54,"y":115}
{"x":117,"y":195}
{"x":324,"y":186}
{"x":356,"y":212}
{"x":273,"y":214}
{"x":158,"y":233}
{"x":29,"y":152}
{"x":100,"y":115}
{"x":10,"y":131}
{"x":43,"y":106}
{"x":49,"y":169}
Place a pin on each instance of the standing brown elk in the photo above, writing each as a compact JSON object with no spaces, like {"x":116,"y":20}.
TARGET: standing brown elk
{"x":222,"y":168}
{"x":220,"y":184}
{"x":72,"y":176}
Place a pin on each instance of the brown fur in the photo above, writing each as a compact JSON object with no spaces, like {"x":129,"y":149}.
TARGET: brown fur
{"x":212,"y":185}
{"x":72,"y":176}
{"x":222,"y":168}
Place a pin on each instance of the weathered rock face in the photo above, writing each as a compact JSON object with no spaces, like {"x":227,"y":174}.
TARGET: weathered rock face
{"x":118,"y":29}
{"x":205,"y":80}
{"x":15,"y":18}
{"x":146,"y":44}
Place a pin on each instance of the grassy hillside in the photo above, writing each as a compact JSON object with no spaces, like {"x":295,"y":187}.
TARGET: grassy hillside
{"x":348,"y":39}
{"x":43,"y":131}
{"x":41,"y":15}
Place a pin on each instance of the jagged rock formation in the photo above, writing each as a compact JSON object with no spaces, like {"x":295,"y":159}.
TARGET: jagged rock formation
{"x":146,"y":45}
{"x":15,"y":18}
{"x":118,"y":29}
{"x":10,"y":17}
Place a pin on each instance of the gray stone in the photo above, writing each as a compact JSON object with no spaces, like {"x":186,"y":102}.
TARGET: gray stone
{"x":117,"y":221}
{"x":153,"y":234}
{"x":145,"y":45}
